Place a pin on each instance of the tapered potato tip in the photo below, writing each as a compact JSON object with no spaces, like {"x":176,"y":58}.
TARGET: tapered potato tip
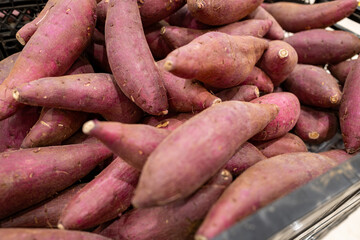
{"x":216,"y":101}
{"x":163,"y":30}
{"x":257,"y":92}
{"x":200,"y":237}
{"x":283,"y":53}
{"x":88,"y":126}
{"x":164,"y":112}
{"x":20,"y":39}
{"x":16,"y":95}
{"x":60,"y":226}
{"x":168,"y":65}
{"x":314,"y":135}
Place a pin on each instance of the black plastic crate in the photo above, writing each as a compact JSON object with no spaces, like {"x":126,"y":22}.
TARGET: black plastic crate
{"x":13,"y":15}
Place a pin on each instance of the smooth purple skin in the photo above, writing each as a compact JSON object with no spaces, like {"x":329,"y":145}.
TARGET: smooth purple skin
{"x":170,"y":123}
{"x":46,"y":234}
{"x":29,"y":176}
{"x":313,"y":86}
{"x":278,"y":61}
{"x":245,"y":157}
{"x":80,"y":137}
{"x":288,"y":143}
{"x":240,"y":93}
{"x":6,"y":65}
{"x":275,"y":32}
{"x":296,"y":17}
{"x":176,"y":221}
{"x":315,"y":126}
{"x":157,"y":44}
{"x":132,"y":142}
{"x":63,"y":35}
{"x":101,"y":10}
{"x":259,"y":78}
{"x":200,"y":146}
{"x":289,"y":113}
{"x":81,"y":65}
{"x":45,"y":214}
{"x":98,"y":56}
{"x":319,"y":46}
{"x":183,"y":18}
{"x":341,"y":70}
{"x":14,"y":129}
{"x":130,"y":58}
{"x":103,"y":199}
{"x":338,"y":154}
{"x":91,"y":92}
{"x":98,"y":37}
{"x":350,"y":110}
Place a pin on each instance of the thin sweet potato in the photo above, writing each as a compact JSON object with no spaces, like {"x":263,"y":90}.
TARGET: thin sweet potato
{"x":240,"y":93}
{"x":200,"y":59}
{"x":200,"y":143}
{"x":258,"y":78}
{"x":341,"y":70}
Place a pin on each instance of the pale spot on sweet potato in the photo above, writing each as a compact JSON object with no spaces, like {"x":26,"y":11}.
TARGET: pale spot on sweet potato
{"x":141,"y":152}
{"x":45,"y":124}
{"x":37,"y":150}
{"x":313,"y":135}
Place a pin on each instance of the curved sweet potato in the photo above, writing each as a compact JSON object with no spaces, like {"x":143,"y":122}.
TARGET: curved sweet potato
{"x":341,"y":70}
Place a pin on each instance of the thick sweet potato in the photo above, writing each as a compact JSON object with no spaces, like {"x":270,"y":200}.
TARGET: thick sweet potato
{"x":6,"y":65}
{"x":157,"y":44}
{"x":261,"y":184}
{"x":175,"y":221}
{"x":102,"y":199}
{"x":131,"y":142}
{"x":240,"y":93}
{"x":313,"y":86}
{"x":200,"y":59}
{"x":319,"y":46}
{"x":341,"y":70}
{"x":57,"y":43}
{"x":258,"y":78}
{"x":296,"y":17}
{"x":315,"y":126}
{"x":278,"y":61}
{"x":289,"y":106}
{"x":134,"y":71}
{"x":200,"y":143}
{"x":286,"y":144}
{"x":31,"y":175}
{"x":91,"y":92}
{"x":221,"y":12}
{"x":45,"y":214}
{"x":350,"y":110}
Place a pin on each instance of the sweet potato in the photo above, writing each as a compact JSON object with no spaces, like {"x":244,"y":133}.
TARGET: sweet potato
{"x":338,"y":154}
{"x":289,"y":106}
{"x":31,"y":175}
{"x":221,"y":12}
{"x":246,"y":156}
{"x":79,"y":137}
{"x":157,"y":44}
{"x":315,"y":126}
{"x":275,"y":32}
{"x":115,"y":184}
{"x":6,"y":65}
{"x":175,"y":221}
{"x":91,"y":92}
{"x":349,"y":110}
{"x":261,"y":184}
{"x":319,"y":46}
{"x":134,"y":71}
{"x":296,"y":17}
{"x":45,"y":214}
{"x":169,"y":123}
{"x":341,"y":70}
{"x":101,"y":10}
{"x":278,"y":61}
{"x":240,"y":93}
{"x":288,"y":143}
{"x":46,"y":234}
{"x":313,"y":86}
{"x":98,"y":37}
{"x":131,"y":142}
{"x":258,"y":78}
{"x":200,"y":59}
{"x":200,"y":143}
{"x":183,"y":18}
{"x":98,"y":57}
{"x":63,"y":35}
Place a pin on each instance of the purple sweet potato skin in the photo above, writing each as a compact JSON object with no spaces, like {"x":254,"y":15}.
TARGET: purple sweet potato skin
{"x":98,"y":56}
{"x":6,"y":65}
{"x":169,"y":123}
{"x":278,"y":61}
{"x":350,"y":110}
{"x":197,"y":151}
{"x":315,"y":126}
{"x":309,"y":16}
{"x":63,"y":35}
{"x":319,"y":46}
{"x":183,"y":18}
{"x":201,"y":57}
{"x":288,"y":143}
{"x":313,"y":86}
{"x":46,"y":234}
{"x":157,"y":44}
{"x":246,"y":156}
{"x":250,"y":192}
{"x":41,"y":172}
{"x":289,"y":106}
{"x":339,"y":154}
{"x":115,"y":184}
{"x":134,"y":71}
{"x":341,"y":70}
{"x":175,"y":221}
{"x":240,"y":93}
{"x":221,"y":12}
{"x":132,"y":142}
{"x":45,"y":214}
{"x":259,"y":78}
{"x":91,"y":92}
{"x":275,"y":32}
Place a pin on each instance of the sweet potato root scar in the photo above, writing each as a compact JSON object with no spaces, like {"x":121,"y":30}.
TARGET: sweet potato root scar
{"x":88,"y":126}
{"x":334,"y":99}
{"x":60,"y":226}
{"x":164,"y":112}
{"x":168,"y":65}
{"x":163,"y":30}
{"x":20,"y":39}
{"x":200,"y":4}
{"x":314,"y":135}
{"x":283,"y":53}
{"x":163,"y":124}
{"x":199,"y":237}
{"x":257,"y":92}
{"x":216,"y":101}
{"x":16,"y":95}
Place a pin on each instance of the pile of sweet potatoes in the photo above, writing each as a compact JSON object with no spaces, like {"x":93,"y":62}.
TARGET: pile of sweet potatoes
{"x":142,"y":120}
